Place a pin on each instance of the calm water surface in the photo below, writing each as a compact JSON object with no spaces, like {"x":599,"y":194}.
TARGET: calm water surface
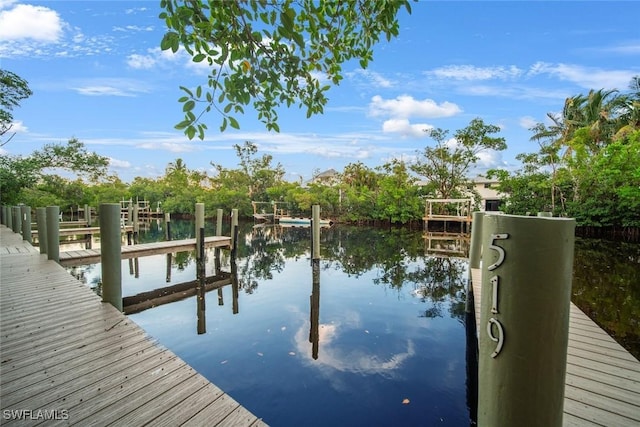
{"x":380,"y":324}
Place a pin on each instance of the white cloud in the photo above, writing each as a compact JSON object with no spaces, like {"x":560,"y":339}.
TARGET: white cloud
{"x":470,"y":72}
{"x":404,"y":128}
{"x":18,"y":127}
{"x":527,"y":122}
{"x":141,"y":62}
{"x":405,"y":106}
{"x":375,"y":79}
{"x":25,"y":21}
{"x":133,"y":28}
{"x":110,"y":87}
{"x":586,"y":77}
{"x":119,"y":164}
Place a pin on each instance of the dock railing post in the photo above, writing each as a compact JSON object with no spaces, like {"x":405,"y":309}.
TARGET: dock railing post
{"x":25,"y":214}
{"x":41,"y":221}
{"x":527,"y":265}
{"x":315,"y":232}
{"x":111,"y":254}
{"x":53,"y":233}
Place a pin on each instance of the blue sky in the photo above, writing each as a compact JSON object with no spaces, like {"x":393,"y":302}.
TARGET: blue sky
{"x":97,"y":74}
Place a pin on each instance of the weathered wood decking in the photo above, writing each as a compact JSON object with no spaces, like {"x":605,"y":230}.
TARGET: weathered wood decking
{"x":89,"y":256}
{"x":66,"y":358}
{"x":603,"y":379}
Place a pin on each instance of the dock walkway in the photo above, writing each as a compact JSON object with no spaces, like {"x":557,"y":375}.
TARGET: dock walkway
{"x":69,"y":359}
{"x":603,"y":379}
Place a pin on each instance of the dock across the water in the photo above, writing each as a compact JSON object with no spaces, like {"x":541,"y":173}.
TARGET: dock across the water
{"x":602,"y":386}
{"x":68,"y":358}
{"x":92,"y":256}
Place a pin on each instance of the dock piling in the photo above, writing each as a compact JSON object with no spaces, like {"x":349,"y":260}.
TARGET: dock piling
{"x":25,"y":214}
{"x":17,"y":221}
{"x":315,"y":232}
{"x":234,"y":232}
{"x":110,"y":254}
{"x":53,"y":233}
{"x":41,"y":221}
{"x":527,"y":267}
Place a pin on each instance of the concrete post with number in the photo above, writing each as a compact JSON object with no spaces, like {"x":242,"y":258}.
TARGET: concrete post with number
{"x":111,"y":254}
{"x":527,"y":267}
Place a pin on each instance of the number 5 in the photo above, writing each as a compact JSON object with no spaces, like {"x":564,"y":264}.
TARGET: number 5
{"x":500,"y":250}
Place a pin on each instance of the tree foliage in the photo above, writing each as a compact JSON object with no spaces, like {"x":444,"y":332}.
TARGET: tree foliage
{"x":588,"y":160}
{"x":13,"y":89}
{"x":270,"y":54}
{"x":446,"y":166}
{"x":19,"y":174}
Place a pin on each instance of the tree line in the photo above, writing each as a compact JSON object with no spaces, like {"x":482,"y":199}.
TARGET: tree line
{"x":586,"y":165}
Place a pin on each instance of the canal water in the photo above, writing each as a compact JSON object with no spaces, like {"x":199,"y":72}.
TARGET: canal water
{"x":375,"y":335}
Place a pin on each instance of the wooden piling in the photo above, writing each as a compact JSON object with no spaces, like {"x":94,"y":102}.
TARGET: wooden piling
{"x":41,"y":221}
{"x":110,"y":254}
{"x":167,"y":226}
{"x":527,"y":265}
{"x":25,"y":214}
{"x":234,"y":232}
{"x":53,"y":233}
{"x":200,"y":231}
{"x":219,"y":222}
{"x":315,"y":236}
{"x":87,"y":215}
{"x":475,"y":252}
{"x":17,"y":221}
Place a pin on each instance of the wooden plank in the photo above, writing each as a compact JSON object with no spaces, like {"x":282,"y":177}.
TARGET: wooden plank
{"x":128,"y":403}
{"x":179,"y":414}
{"x":173,"y":397}
{"x":615,"y":392}
{"x":214,"y":413}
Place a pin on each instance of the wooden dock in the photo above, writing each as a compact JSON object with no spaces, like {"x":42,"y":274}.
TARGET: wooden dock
{"x":81,"y":231}
{"x":603,"y":379}
{"x":92,"y":256}
{"x":67,"y":358}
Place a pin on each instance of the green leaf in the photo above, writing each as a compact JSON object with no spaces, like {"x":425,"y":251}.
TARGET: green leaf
{"x":190,"y":132}
{"x":223,"y":126}
{"x":234,"y":123}
{"x":188,"y":106}
{"x":183,"y":124}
